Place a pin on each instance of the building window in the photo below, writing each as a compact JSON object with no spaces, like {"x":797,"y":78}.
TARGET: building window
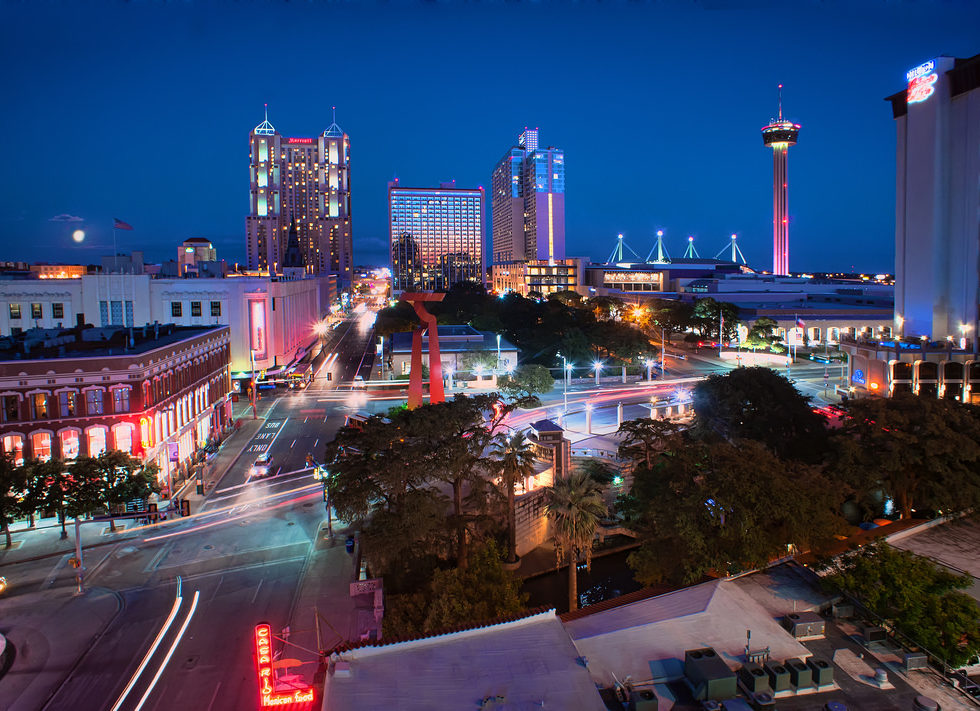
{"x":57,"y":310}
{"x":195,"y":308}
{"x":14,"y":446}
{"x":39,"y":406}
{"x":69,"y":444}
{"x":11,"y":408}
{"x":175,"y":309}
{"x":68,"y":400}
{"x":93,"y":402}
{"x":15,"y":312}
{"x":96,"y":441}
{"x":36,"y":311}
{"x":120,"y":400}
{"x":215,"y":308}
{"x":41,"y":446}
{"x":124,"y":438}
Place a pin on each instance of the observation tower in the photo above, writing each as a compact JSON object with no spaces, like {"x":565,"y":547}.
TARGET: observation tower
{"x":780,"y":135}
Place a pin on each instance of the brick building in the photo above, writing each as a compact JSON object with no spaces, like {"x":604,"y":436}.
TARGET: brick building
{"x":158,"y":393}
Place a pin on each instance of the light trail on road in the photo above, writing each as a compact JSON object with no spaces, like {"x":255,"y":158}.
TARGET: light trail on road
{"x":152,"y":650}
{"x":170,"y":652}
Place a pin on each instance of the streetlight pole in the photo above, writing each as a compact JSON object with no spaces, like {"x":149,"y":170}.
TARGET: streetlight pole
{"x":598,"y":369}
{"x":568,"y":371}
{"x":255,"y":385}
{"x":498,"y":352}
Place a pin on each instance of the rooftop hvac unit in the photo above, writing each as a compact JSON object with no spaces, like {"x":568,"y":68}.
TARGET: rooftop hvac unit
{"x":916,"y":661}
{"x":778,"y":676}
{"x":843,"y":610}
{"x":804,"y":624}
{"x":753,"y":678}
{"x":872,"y":633}
{"x":823,"y":672}
{"x":799,"y":673}
{"x":708,"y":676}
{"x":643,"y":700}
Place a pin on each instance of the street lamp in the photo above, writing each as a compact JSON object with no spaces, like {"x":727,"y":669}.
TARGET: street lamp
{"x":568,"y":376}
{"x":597,"y":366}
{"x":649,"y":365}
{"x":498,"y":352}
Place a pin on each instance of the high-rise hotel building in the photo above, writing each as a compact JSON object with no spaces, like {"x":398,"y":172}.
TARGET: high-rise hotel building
{"x":528,"y":202}
{"x":304,"y":182}
{"x":436,"y":237}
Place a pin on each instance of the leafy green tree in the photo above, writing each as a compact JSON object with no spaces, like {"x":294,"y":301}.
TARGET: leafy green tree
{"x":122,"y":478}
{"x":34,"y":480}
{"x":761,"y":335}
{"x":568,"y":298}
{"x":457,"y":597}
{"x":59,"y":486}
{"x":920,"y":598}
{"x":575,"y":507}
{"x":392,"y":319}
{"x":707,"y":317}
{"x":514,"y":459}
{"x":13,"y":482}
{"x":599,"y":471}
{"x":922,"y":451}
{"x":644,"y":438}
{"x":759,"y":404}
{"x":605,"y":307}
{"x":671,"y":316}
{"x":527,"y":380}
{"x":725,"y":507}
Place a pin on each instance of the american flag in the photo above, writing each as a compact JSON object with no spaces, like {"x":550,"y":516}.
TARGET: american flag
{"x":118,"y":224}
{"x":799,"y":323}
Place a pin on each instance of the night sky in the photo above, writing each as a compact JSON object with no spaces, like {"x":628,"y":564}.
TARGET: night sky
{"x":142,"y":110}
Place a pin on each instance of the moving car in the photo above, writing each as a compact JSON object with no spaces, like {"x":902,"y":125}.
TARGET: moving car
{"x":358,"y":382}
{"x":262,"y":466}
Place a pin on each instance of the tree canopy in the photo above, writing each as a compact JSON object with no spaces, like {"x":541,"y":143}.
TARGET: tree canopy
{"x":759,"y":404}
{"x":724,"y":506}
{"x":922,"y":599}
{"x":527,"y":380}
{"x":923,"y":452}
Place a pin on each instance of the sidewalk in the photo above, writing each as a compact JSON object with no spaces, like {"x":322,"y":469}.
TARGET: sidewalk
{"x":45,"y":653}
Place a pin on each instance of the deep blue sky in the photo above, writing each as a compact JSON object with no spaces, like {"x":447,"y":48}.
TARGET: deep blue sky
{"x":142,"y":111}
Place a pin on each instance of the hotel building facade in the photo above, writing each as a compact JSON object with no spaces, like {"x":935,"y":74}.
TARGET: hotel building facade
{"x":436,"y":237}
{"x":303,"y":182}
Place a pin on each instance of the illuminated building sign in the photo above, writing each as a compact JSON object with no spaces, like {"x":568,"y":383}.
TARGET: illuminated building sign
{"x":256,"y":313}
{"x":269,"y":697}
{"x":921,"y":70}
{"x":145,"y":432}
{"x":858,"y":377}
{"x":921,"y":82}
{"x":299,"y":140}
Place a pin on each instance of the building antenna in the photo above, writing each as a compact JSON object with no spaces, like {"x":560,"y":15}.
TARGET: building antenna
{"x":662,"y":256}
{"x":780,"y":101}
{"x":617,"y":253}
{"x":691,"y":252}
{"x":266,"y":111}
{"x":334,"y":114}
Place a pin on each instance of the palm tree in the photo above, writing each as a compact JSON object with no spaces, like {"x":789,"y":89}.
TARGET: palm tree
{"x":575,"y":507}
{"x":514,"y":459}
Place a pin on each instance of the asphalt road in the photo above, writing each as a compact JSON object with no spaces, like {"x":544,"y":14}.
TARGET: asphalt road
{"x":240,"y":560}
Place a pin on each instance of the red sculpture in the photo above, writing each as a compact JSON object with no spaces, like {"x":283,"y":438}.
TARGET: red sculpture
{"x":436,"y":391}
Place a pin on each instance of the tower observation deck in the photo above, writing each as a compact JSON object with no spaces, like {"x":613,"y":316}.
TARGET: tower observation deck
{"x":780,"y":134}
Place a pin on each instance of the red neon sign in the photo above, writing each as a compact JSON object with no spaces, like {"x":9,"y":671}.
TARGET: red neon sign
{"x":268,"y":696}
{"x":921,"y":88}
{"x":145,"y":432}
{"x":300,"y":140}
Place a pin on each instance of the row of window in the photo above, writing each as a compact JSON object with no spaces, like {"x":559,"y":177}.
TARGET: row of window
{"x":97,"y":439}
{"x":42,"y":404}
{"x":37,"y":311}
{"x":177,"y":308}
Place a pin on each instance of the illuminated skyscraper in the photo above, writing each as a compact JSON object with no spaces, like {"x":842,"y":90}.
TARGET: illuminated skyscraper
{"x":436,"y":237}
{"x":304,"y":182}
{"x":780,"y":135}
{"x":528,"y":202}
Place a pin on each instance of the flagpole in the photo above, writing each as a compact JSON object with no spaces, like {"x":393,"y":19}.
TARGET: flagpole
{"x":115,"y":252}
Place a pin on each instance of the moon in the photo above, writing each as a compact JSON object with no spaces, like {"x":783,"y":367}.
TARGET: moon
{"x":78,"y":235}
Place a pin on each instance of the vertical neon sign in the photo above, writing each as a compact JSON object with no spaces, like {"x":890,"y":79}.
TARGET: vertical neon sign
{"x":268,"y":696}
{"x":257,"y":342}
{"x":921,"y":82}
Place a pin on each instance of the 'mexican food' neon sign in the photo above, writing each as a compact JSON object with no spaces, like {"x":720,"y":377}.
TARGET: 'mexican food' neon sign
{"x":268,"y":696}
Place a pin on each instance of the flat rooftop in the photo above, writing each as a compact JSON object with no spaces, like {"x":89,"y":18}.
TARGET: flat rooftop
{"x":94,"y":342}
{"x":954,"y":544}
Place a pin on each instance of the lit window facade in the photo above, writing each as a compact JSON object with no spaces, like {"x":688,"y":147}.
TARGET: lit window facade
{"x":436,"y":237}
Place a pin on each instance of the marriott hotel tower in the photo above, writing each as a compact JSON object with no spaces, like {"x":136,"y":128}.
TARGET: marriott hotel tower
{"x":303,"y":182}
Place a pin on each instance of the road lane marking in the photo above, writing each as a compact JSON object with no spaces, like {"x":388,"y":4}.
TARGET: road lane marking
{"x":293,"y":445}
{"x":150,"y":651}
{"x":214,"y":697}
{"x":256,"y":594}
{"x":170,"y":652}
{"x":316,"y":443}
{"x":53,"y":575}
